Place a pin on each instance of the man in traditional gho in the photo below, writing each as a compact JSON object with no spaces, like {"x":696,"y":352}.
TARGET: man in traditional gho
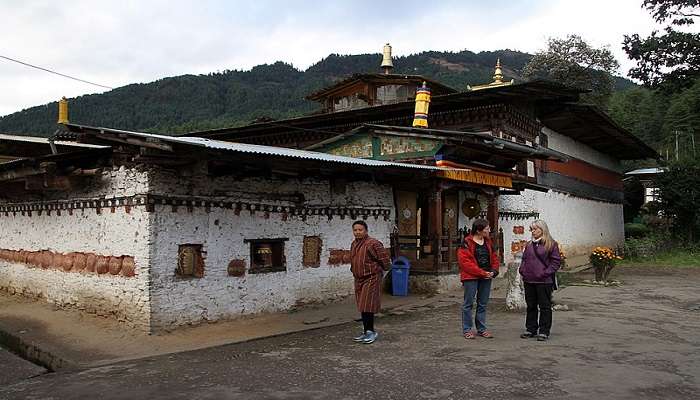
{"x":369,"y":259}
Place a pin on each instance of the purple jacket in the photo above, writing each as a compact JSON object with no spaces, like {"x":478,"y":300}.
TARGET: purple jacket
{"x":533,"y":269}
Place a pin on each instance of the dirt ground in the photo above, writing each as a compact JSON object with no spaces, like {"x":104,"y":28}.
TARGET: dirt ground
{"x":636,"y":341}
{"x":69,"y":338}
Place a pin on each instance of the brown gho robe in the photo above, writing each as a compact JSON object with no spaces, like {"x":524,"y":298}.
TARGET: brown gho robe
{"x":368,"y":260}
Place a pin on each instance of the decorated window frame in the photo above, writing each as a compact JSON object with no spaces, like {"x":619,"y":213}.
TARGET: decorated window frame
{"x":267,"y":255}
{"x":190,"y":261}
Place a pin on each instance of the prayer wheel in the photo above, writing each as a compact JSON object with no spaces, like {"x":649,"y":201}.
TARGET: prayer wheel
{"x":420,"y":117}
{"x":264,"y":255}
{"x":63,"y":111}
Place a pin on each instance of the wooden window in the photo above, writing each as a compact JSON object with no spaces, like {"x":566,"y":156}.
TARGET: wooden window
{"x":190,"y":263}
{"x":267,"y":255}
{"x":312,"y":251}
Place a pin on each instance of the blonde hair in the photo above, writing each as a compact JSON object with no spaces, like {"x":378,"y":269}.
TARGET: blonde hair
{"x":547,"y":239}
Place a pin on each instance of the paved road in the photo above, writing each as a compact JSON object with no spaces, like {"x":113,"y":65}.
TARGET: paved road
{"x":637,"y":341}
{"x":14,"y":369}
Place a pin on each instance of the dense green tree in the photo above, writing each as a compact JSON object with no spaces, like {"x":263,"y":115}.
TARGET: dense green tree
{"x":574,"y":62}
{"x":684,"y":110}
{"x":641,"y":111}
{"x":669,"y":122}
{"x":634,"y":199}
{"x":679,"y":195}
{"x":670,"y":59}
{"x":682,"y":123}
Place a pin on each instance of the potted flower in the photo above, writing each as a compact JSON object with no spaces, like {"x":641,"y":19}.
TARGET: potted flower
{"x":603,"y":260}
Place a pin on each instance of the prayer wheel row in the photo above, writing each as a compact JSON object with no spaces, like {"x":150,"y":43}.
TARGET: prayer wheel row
{"x":73,"y":262}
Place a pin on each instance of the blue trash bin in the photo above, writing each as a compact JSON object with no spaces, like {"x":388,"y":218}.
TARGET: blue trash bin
{"x":399,"y":276}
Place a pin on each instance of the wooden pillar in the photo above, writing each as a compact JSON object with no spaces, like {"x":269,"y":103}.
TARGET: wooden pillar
{"x":435,"y":223}
{"x":492,"y":216}
{"x":435,"y":207}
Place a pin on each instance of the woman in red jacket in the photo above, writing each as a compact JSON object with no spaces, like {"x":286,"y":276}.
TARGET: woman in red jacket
{"x":478,"y":264}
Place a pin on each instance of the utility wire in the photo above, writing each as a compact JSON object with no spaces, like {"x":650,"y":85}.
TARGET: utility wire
{"x":54,"y":72}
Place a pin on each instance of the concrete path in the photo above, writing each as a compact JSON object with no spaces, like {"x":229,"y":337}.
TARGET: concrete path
{"x":638,"y":341}
{"x":15,"y":369}
{"x":61,"y":339}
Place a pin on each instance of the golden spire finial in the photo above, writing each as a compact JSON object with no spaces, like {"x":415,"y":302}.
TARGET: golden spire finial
{"x":497,"y":79}
{"x":498,"y":74}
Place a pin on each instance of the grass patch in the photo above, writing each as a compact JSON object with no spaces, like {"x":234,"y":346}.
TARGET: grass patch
{"x":673,"y":258}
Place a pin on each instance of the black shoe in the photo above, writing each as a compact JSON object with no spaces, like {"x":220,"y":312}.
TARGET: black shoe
{"x":542,"y":337}
{"x":527,"y":335}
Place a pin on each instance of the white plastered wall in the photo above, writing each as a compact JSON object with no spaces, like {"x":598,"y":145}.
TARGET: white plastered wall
{"x":571,"y":147}
{"x":578,"y":224}
{"x":178,"y":301}
{"x":112,"y":234}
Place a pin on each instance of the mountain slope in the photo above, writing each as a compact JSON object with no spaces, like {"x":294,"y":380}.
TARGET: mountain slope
{"x":193,"y":102}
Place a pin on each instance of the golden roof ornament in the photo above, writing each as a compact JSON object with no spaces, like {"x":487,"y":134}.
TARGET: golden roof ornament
{"x":498,"y":74}
{"x":497,"y":79}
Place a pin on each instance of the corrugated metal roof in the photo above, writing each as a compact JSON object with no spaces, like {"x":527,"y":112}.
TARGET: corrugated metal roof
{"x":43,"y":140}
{"x":643,"y":171}
{"x":256,"y":149}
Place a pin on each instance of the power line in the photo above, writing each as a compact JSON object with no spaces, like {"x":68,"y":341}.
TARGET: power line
{"x":54,"y":72}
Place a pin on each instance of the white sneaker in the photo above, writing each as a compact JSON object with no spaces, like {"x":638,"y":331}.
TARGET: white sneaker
{"x":370,"y":337}
{"x":360,"y":338}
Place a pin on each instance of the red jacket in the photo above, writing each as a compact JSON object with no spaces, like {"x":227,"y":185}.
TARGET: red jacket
{"x":468,"y":267}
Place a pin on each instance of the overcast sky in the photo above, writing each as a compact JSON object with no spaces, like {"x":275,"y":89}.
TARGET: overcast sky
{"x":116,"y":43}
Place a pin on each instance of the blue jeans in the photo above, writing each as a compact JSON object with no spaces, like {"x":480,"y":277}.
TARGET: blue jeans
{"x":481,"y":288}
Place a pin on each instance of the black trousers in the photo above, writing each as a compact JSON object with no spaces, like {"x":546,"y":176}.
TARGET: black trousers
{"x":538,"y":296}
{"x":368,"y":321}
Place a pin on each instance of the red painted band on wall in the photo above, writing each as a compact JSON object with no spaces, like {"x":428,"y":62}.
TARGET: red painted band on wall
{"x":586,"y":172}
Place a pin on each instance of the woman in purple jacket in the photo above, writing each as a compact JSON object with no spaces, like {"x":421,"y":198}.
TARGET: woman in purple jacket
{"x":541,"y":259}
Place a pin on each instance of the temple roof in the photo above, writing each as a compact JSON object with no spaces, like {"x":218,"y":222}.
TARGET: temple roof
{"x":556,"y":104}
{"x":533,"y":92}
{"x":497,"y":79}
{"x":381,"y":79}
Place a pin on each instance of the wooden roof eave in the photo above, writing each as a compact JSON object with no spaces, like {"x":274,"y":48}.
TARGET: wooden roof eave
{"x":574,"y":120}
{"x":482,"y":140}
{"x":25,"y":167}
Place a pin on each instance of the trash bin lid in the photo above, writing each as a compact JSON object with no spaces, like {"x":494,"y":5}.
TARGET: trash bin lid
{"x":401,"y":262}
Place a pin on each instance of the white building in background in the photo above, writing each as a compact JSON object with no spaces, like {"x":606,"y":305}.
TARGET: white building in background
{"x":646,"y":178}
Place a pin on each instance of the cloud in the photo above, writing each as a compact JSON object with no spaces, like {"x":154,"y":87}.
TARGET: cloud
{"x":118,"y":43}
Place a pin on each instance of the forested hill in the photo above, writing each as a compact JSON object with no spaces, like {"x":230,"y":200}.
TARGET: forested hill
{"x":230,"y":98}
